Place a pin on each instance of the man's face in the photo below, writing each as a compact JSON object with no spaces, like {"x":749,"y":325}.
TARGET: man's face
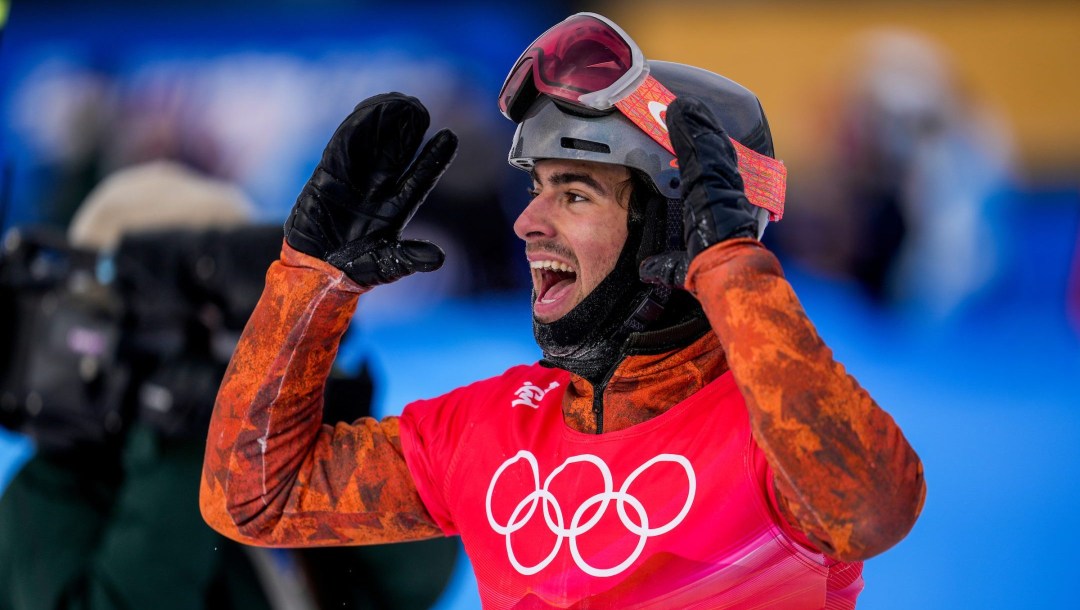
{"x":574,"y":230}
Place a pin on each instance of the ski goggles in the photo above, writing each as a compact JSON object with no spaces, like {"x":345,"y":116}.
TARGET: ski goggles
{"x":588,"y":61}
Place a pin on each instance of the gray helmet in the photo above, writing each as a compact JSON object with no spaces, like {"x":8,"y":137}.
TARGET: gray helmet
{"x":554,"y":130}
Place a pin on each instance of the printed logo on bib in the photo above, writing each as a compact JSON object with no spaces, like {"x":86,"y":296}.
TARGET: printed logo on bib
{"x":606,"y":527}
{"x":529,"y":394}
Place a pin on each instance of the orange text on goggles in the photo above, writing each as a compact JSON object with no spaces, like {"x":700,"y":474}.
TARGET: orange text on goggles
{"x":589,"y":61}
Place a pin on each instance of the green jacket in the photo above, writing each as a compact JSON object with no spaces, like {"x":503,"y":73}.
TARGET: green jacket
{"x":121,"y":530}
{"x":100,"y":529}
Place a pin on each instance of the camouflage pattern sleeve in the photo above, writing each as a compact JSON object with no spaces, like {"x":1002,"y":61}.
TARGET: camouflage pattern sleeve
{"x":273,"y":474}
{"x":845,"y":475}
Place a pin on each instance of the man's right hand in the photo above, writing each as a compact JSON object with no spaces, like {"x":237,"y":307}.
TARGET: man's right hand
{"x":363,"y":192}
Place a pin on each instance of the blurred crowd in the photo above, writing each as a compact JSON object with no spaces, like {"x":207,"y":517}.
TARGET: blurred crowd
{"x":79,"y":121}
{"x":905,"y":198}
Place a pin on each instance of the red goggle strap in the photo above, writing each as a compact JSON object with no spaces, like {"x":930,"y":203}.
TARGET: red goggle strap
{"x":764,"y":178}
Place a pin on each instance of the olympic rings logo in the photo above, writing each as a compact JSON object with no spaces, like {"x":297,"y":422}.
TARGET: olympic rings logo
{"x":553,"y":515}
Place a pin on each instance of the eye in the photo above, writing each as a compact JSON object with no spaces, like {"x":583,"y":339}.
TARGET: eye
{"x":576,"y":197}
{"x":532,"y":191}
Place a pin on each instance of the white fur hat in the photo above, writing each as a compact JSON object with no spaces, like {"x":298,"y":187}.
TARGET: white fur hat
{"x":155,"y":195}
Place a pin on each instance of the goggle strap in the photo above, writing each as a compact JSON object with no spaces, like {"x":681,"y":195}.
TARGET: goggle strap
{"x":644,"y":107}
{"x":764,"y":178}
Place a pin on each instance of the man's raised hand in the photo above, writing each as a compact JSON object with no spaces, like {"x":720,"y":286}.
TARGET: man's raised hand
{"x":715,"y":207}
{"x":367,"y":187}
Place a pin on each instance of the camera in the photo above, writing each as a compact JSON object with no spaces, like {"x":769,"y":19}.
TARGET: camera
{"x":90,"y":341}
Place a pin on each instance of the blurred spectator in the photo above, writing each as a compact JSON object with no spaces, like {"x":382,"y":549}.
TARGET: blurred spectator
{"x":155,"y":195}
{"x":103,"y":514}
{"x":902,"y":199}
{"x":116,"y":339}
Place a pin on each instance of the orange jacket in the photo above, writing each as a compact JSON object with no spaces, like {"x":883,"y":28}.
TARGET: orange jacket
{"x":847,"y":481}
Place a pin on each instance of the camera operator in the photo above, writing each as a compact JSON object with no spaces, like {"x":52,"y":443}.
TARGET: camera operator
{"x":107,"y":362}
{"x":115,"y":338}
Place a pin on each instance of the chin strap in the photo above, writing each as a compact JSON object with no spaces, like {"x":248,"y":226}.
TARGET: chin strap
{"x":653,"y":301}
{"x":649,"y":310}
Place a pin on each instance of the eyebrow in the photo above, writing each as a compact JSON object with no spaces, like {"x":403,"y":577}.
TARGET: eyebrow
{"x":570,"y":177}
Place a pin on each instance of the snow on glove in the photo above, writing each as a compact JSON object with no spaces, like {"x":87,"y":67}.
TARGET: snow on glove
{"x":367,"y":187}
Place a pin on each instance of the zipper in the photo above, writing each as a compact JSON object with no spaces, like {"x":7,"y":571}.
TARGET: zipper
{"x":598,"y":398}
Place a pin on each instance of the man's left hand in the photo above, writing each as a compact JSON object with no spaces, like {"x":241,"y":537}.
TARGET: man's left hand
{"x":715,"y":207}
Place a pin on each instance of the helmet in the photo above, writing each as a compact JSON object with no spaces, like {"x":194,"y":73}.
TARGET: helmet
{"x":552,"y":129}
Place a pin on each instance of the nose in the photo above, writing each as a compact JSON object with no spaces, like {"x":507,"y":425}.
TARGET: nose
{"x":535,"y":220}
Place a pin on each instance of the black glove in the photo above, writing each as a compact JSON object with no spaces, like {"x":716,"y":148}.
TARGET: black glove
{"x":353,"y":208}
{"x":715,"y":208}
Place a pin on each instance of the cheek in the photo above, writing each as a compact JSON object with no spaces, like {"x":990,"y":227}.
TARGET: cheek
{"x":615,"y":238}
{"x":603,"y":251}
{"x":612,"y":248}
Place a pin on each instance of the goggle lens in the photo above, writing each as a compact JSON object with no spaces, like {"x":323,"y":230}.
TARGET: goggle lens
{"x":581,"y":54}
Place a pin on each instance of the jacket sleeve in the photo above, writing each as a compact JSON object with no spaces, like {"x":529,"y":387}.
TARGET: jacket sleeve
{"x":273,"y":474}
{"x":844,"y":473}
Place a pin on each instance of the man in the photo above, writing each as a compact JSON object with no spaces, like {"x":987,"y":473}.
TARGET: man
{"x":674,"y":448}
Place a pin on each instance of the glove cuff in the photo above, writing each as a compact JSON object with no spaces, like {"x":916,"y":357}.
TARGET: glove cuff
{"x":291,"y":257}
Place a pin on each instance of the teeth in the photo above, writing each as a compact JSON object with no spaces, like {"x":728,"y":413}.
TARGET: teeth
{"x":552,"y":265}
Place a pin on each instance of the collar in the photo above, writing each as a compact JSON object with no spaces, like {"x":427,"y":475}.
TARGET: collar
{"x":645,"y":385}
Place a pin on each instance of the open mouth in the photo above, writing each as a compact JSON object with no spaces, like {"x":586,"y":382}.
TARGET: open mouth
{"x":555,"y":280}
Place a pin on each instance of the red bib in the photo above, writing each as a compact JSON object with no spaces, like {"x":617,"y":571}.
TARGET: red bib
{"x":670,"y":513}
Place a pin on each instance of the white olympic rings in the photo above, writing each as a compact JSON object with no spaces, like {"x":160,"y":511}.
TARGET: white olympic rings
{"x":557,"y":526}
